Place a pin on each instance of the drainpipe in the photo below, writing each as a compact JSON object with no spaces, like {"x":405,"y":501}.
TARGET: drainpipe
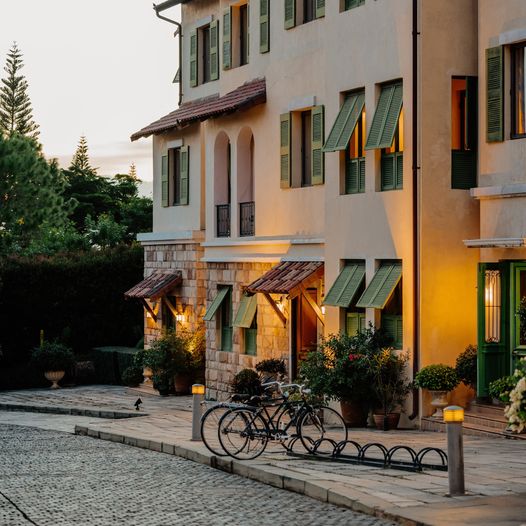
{"x":416,"y":230}
{"x":178,"y":33}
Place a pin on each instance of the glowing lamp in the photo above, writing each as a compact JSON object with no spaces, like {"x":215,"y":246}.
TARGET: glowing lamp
{"x":323,"y":310}
{"x":454,"y":413}
{"x":180,"y":318}
{"x":198,"y":389}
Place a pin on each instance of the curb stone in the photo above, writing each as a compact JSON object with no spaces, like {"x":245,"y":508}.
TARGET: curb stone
{"x":76,"y":411}
{"x":277,"y":477}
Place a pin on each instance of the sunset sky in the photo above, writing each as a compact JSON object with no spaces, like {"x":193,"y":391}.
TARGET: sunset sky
{"x":99,"y":68}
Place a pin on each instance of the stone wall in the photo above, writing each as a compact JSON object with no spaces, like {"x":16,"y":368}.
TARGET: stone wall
{"x":272,"y":337}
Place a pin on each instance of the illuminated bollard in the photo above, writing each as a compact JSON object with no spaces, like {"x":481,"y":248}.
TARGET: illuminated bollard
{"x":198,"y":391}
{"x":453,"y":417}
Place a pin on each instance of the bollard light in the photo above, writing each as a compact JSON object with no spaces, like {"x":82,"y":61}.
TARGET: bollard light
{"x":198,"y":391}
{"x":454,"y":413}
{"x":453,"y":417}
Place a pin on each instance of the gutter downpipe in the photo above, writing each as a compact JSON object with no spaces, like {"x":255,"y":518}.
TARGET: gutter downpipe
{"x":416,"y":229}
{"x":178,"y":32}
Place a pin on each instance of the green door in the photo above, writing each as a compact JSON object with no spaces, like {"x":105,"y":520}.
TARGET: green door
{"x":518,"y":334}
{"x":493,"y":324}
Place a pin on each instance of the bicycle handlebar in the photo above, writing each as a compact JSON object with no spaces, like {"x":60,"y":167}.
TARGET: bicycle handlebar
{"x":283,"y":385}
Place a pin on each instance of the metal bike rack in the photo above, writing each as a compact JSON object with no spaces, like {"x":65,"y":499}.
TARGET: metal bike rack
{"x":385,"y":459}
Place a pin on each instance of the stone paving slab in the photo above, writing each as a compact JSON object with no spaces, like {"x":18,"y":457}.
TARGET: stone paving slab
{"x":494,"y":467}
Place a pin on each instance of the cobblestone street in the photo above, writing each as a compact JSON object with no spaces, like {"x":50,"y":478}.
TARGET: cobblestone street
{"x":52,"y":478}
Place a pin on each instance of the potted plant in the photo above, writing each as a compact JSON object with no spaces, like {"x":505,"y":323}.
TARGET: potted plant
{"x":390,"y":385}
{"x":515,"y":410}
{"x":466,"y":366}
{"x":500,"y":389}
{"x":247,"y":381}
{"x":53,"y":359}
{"x":438,"y":379}
{"x":271,"y":369}
{"x":339,"y":369}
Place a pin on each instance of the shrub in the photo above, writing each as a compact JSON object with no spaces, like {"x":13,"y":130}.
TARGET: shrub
{"x":52,"y":356}
{"x":438,"y":377}
{"x":132,"y":376}
{"x":246,"y":382}
{"x":501,"y":388}
{"x":272,"y":367}
{"x":466,"y":366}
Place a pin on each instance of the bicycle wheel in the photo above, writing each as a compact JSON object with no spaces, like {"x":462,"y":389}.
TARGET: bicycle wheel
{"x":243,"y":434}
{"x":321,"y":429}
{"x":210,"y":425}
{"x":288,"y":424}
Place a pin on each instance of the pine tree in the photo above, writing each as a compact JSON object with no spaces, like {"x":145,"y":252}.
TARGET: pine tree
{"x":80,"y":162}
{"x":16,"y":112}
{"x":133,"y":172}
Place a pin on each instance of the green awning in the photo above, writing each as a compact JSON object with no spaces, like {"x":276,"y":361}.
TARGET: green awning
{"x":382,"y":286}
{"x":246,"y":312}
{"x":385,"y":120}
{"x":212,"y":309}
{"x":346,"y":286}
{"x":345,"y":123}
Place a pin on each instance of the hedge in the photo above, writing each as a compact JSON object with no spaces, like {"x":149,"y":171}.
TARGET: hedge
{"x":77,"y":298}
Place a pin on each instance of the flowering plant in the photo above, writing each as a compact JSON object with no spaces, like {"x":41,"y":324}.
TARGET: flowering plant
{"x":515,"y":412}
{"x":437,"y":377}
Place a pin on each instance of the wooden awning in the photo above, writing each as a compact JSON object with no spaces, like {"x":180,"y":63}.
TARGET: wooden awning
{"x":156,"y":285}
{"x":287,"y":276}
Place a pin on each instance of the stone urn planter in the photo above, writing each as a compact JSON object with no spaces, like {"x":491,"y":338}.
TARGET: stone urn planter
{"x":54,"y":377}
{"x":147,"y":374}
{"x":439,"y":402}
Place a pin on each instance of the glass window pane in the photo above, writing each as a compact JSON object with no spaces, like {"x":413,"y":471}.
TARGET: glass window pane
{"x":519,"y":78}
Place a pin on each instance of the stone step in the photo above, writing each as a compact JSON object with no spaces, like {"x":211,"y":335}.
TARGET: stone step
{"x":470,"y":429}
{"x":490,"y":411}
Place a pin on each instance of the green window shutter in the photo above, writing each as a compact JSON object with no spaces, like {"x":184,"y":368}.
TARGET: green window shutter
{"x":361,"y":175}
{"x":463,"y":170}
{"x":388,"y":171}
{"x":320,"y":8}
{"x":251,"y":341}
{"x":246,"y":312}
{"x":382,"y":286}
{"x":399,"y":166}
{"x":214,"y":50}
{"x":227,"y":38}
{"x":317,"y":138}
{"x":352,"y":176}
{"x":345,"y":123}
{"x":385,"y":120}
{"x":285,"y":157}
{"x":184,"y":177}
{"x":346,"y":286}
{"x":392,"y":325}
{"x":264,"y":26}
{"x":290,"y":13}
{"x":354,"y":323}
{"x":193,"y":58}
{"x":164,"y":180}
{"x":350,"y":4}
{"x":216,"y":303}
{"x":226,"y":339}
{"x":495,"y":94}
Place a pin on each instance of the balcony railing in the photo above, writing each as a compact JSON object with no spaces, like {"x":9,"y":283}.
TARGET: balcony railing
{"x":223,"y":220}
{"x":247,"y":219}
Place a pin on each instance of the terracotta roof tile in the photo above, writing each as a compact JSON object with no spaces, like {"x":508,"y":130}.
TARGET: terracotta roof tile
{"x":285,"y":277}
{"x":156,"y":285}
{"x":244,"y":97}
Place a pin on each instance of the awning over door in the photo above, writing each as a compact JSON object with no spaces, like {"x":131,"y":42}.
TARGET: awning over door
{"x":346,"y":286}
{"x":285,"y":277}
{"x":246,"y":312}
{"x":158,"y":284}
{"x":382,"y":286}
{"x":216,"y":303}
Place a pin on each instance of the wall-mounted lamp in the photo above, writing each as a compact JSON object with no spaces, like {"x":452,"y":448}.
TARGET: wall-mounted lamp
{"x":181,"y":318}
{"x":492,"y":305}
{"x":323,"y":309}
{"x":280,"y":304}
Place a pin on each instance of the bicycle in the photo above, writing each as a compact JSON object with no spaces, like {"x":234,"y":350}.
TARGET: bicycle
{"x":244,"y":432}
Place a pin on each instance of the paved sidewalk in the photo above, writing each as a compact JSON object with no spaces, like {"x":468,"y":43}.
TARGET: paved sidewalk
{"x":495,"y":468}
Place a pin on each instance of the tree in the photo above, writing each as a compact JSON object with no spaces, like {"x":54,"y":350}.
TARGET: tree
{"x":133,"y":172}
{"x":16,"y":112}
{"x":31,"y":191}
{"x":80,"y":162}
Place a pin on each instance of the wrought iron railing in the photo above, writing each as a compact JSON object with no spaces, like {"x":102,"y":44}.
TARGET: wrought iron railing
{"x":247,"y":219}
{"x":223,"y":220}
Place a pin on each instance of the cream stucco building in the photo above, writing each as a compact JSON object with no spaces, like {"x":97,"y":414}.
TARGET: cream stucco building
{"x":321,"y":173}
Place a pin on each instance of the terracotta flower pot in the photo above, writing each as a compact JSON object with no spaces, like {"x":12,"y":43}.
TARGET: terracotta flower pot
{"x":386,"y":422}
{"x":182,"y":383}
{"x":353,"y":414}
{"x":54,"y":377}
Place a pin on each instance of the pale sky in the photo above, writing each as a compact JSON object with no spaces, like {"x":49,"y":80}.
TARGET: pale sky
{"x":99,"y":68}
